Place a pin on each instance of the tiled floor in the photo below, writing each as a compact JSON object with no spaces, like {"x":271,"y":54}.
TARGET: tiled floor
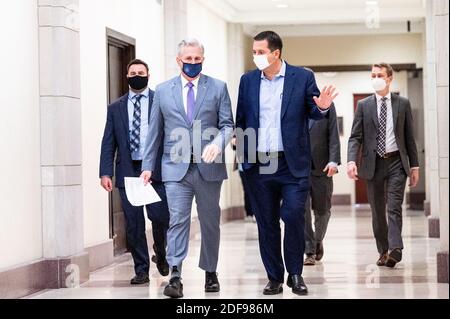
{"x":347,"y":270}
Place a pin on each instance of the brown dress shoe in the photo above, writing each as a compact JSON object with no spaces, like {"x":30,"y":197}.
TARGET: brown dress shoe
{"x":394,"y":258}
{"x":382,"y":260}
{"x":310,"y":260}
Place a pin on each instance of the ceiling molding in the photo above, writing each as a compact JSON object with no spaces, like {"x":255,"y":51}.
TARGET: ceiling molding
{"x":337,"y":29}
{"x":311,"y":13}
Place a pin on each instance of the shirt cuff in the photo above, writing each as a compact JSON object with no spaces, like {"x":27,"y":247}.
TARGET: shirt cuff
{"x":351,"y":163}
{"x":333,"y":164}
{"x":324,"y":112}
{"x":415,"y":168}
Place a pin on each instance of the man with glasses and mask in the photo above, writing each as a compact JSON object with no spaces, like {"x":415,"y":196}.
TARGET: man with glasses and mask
{"x":125,"y":135}
{"x":193,"y":120}
{"x":276,"y":101}
{"x":383,"y":130}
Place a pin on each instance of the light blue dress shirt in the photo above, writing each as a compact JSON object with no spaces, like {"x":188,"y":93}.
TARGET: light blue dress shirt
{"x":139,"y":155}
{"x":270,"y":138}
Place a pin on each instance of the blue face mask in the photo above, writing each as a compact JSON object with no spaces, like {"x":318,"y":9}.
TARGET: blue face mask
{"x":192,"y":70}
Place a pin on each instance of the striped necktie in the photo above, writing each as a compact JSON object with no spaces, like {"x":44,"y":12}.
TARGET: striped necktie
{"x":136,"y":129}
{"x":381,"y":138}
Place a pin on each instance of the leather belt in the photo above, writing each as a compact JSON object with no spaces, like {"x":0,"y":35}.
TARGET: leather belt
{"x":390,"y":155}
{"x":271,"y":155}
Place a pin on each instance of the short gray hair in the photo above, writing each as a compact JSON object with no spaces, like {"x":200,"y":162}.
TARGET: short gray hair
{"x":190,"y":42}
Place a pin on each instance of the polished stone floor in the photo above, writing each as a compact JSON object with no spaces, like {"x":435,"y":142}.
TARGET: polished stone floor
{"x":347,"y":271}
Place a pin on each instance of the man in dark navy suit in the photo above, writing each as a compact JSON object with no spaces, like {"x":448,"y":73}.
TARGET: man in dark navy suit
{"x":274,"y":107}
{"x":125,"y":136}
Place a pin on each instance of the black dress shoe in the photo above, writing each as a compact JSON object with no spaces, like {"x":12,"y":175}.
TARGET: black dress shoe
{"x":174,"y":289}
{"x":319,"y":251}
{"x":162,"y":265}
{"x":212,"y":282}
{"x":297,"y":284}
{"x":273,"y":288}
{"x":140,"y":280}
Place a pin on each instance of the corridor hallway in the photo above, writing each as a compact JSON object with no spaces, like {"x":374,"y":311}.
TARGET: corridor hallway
{"x":347,"y":270}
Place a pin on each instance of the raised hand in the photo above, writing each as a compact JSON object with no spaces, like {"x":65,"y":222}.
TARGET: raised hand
{"x":326,"y":97}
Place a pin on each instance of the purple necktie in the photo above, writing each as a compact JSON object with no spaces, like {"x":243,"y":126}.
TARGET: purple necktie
{"x":190,"y":102}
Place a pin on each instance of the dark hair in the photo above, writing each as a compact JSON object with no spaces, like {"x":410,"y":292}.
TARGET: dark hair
{"x":137,"y":62}
{"x":388,"y":67}
{"x":274,"y":40}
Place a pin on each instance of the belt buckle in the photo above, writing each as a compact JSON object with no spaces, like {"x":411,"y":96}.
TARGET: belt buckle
{"x":272,"y":155}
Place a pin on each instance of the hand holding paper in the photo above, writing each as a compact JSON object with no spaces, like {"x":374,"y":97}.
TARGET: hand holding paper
{"x":139,"y":194}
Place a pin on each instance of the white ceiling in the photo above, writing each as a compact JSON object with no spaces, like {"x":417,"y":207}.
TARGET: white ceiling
{"x":256,"y":14}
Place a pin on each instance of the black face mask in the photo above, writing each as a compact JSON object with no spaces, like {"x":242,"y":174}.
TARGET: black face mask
{"x":138,"y":83}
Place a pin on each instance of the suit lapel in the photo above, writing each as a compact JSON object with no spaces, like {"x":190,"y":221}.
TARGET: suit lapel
{"x":255,"y":89}
{"x":150,"y":104}
{"x":374,"y":111}
{"x":177,"y":92}
{"x":289,"y":84}
{"x":395,"y":109}
{"x":124,"y":114}
{"x":201,"y":94}
{"x":311,"y":124}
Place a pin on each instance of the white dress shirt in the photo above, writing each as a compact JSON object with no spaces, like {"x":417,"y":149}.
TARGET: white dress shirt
{"x":391,"y":142}
{"x":184,"y":85}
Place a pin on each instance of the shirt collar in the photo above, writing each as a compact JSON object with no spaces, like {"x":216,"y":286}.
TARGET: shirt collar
{"x":184,"y":82}
{"x":379,"y":97}
{"x":146,"y":93}
{"x":282,"y":72}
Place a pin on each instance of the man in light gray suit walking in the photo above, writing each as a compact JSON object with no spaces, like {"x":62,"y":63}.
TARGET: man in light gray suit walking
{"x":383,"y":130}
{"x":193,"y":119}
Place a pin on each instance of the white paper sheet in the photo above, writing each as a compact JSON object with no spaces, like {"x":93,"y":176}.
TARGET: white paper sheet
{"x":138,"y":194}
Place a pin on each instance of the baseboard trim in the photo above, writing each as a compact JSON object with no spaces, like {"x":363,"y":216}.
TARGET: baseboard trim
{"x":416,"y":201}
{"x":341,"y":200}
{"x":43,"y":274}
{"x":434,"y":228}
{"x":101,"y":255}
{"x":442,"y":265}
{"x":427,"y":208}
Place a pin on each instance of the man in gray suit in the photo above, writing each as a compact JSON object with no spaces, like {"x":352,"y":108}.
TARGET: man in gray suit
{"x":326,"y":158}
{"x":193,"y":119}
{"x":383,"y":130}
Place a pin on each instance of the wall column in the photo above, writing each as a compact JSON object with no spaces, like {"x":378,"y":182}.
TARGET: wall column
{"x":59,"y":62}
{"x":431,"y":128}
{"x":442,"y":73}
{"x":175,"y":30}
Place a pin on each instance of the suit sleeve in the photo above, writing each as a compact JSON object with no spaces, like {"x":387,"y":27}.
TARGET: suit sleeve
{"x":333,"y":137}
{"x":109,"y":147}
{"x":155,"y":135}
{"x":226,"y":123}
{"x":410,"y":141}
{"x":356,"y":137}
{"x":240,"y":114}
{"x":313,"y":91}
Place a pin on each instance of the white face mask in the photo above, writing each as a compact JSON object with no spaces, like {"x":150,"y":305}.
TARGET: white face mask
{"x":379,"y":84}
{"x":261,"y":61}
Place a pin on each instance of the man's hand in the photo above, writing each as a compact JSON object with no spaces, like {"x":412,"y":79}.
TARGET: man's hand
{"x":331,"y":169}
{"x":414,"y":178}
{"x":352,"y":171}
{"x":146,"y":176}
{"x":107,"y":183}
{"x":210,"y":153}
{"x":326,"y":97}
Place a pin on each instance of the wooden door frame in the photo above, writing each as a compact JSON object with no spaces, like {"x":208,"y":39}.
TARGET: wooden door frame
{"x":129,"y":44}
